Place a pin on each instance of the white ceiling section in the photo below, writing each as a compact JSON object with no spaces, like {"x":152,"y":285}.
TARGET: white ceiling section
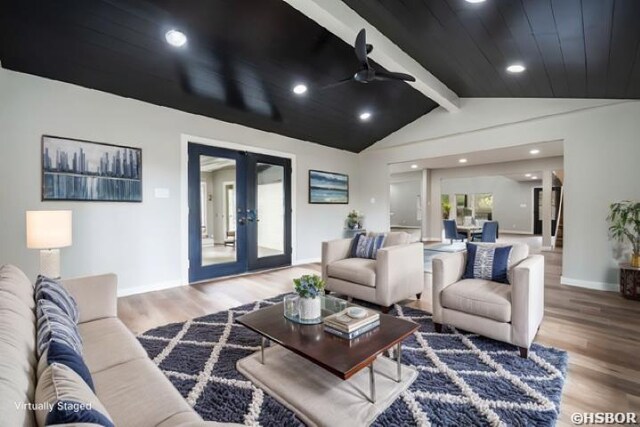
{"x":498,"y":155}
{"x":345,"y":23}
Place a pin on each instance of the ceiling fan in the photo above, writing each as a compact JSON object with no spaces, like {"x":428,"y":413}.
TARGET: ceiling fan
{"x":366,"y":73}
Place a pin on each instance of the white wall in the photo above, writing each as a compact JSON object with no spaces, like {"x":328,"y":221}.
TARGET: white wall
{"x":404,"y":191}
{"x":601,"y":152}
{"x":512,"y":200}
{"x":140,"y":242}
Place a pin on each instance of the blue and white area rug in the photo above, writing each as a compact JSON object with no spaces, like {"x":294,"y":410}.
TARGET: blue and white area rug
{"x":464,"y":379}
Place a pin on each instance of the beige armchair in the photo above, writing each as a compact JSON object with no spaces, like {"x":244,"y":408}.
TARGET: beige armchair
{"x":396,"y":274}
{"x":509,"y":313}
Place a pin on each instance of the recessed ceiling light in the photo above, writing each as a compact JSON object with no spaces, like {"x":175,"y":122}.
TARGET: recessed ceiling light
{"x":534,"y":151}
{"x":516,"y":68}
{"x":414,"y":166}
{"x":299,"y":89}
{"x":475,"y":1}
{"x":175,"y":38}
{"x":534,"y":177}
{"x":462,"y":161}
{"x":527,"y":175}
{"x":365,"y":116}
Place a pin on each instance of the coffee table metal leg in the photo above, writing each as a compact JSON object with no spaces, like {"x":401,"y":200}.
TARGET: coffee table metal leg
{"x":399,"y":361}
{"x":262,"y":344}
{"x":372,"y":384}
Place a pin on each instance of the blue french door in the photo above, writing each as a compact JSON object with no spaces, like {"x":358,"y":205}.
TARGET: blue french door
{"x":217,"y":191}
{"x":239,"y":212}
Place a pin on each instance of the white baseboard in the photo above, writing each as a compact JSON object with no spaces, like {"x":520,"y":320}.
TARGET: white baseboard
{"x":306,"y":261}
{"x":546,"y":248}
{"x":598,"y":286}
{"x":150,"y":288}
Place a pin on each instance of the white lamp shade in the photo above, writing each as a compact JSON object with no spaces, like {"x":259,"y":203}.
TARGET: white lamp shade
{"x":49,"y":229}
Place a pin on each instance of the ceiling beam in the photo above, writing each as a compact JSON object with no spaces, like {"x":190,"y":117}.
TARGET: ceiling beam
{"x":339,"y":19}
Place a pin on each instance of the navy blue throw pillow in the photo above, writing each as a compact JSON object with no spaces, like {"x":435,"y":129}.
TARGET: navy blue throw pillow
{"x":354,"y":244}
{"x":51,"y":290}
{"x":68,"y":411}
{"x":53,"y":323}
{"x":367,"y":246}
{"x":61,"y":353}
{"x":487,"y":262}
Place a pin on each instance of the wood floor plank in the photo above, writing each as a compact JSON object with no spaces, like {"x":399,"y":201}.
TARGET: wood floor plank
{"x":599,"y":330}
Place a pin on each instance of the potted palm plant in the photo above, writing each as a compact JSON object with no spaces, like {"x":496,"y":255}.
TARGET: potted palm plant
{"x":624,"y":224}
{"x":309,"y":288}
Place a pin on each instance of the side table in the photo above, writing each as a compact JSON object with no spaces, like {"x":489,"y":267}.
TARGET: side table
{"x":630,"y":281}
{"x":350,"y":233}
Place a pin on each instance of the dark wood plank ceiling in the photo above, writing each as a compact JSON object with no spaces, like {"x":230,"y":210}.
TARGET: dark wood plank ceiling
{"x":240,"y":63}
{"x":571,"y":48}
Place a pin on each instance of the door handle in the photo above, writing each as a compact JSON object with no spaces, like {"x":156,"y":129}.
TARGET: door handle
{"x":241,"y":218}
{"x":252,"y":215}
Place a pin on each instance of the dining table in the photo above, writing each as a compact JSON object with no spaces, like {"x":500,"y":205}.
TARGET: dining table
{"x":470,"y":230}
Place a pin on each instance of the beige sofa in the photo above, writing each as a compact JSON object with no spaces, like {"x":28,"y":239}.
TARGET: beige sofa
{"x":131,"y":388}
{"x":396,"y":274}
{"x":509,"y":313}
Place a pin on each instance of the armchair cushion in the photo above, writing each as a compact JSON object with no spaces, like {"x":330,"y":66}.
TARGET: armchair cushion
{"x":487,"y":262}
{"x":357,"y":270}
{"x":479,"y":297}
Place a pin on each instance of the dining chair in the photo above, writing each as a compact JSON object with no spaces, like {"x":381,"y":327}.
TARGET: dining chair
{"x":489,"y":232}
{"x":451,"y":231}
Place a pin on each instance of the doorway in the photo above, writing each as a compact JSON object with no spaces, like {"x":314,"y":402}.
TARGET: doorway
{"x":239,"y":212}
{"x":537,"y":209}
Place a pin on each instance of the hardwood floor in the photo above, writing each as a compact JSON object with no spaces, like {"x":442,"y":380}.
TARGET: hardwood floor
{"x":600,"y":330}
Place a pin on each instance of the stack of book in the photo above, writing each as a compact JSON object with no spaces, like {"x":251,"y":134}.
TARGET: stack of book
{"x":344,"y":326}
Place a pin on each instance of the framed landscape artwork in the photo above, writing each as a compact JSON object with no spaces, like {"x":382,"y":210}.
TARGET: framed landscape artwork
{"x":328,"y":187}
{"x":79,"y":170}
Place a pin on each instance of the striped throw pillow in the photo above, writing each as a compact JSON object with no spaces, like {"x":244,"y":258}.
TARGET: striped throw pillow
{"x":487,"y":262}
{"x":51,"y":290}
{"x":54,"y":324}
{"x":367,"y":246}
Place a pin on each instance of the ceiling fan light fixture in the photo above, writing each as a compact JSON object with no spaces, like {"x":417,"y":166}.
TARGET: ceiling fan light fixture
{"x":364,"y":116}
{"x":175,"y":38}
{"x":299,"y":89}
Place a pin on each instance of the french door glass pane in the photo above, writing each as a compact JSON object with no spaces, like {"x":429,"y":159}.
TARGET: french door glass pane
{"x":270,"y":209}
{"x":218,"y":206}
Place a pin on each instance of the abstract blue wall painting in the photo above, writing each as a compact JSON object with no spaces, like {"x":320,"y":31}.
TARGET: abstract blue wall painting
{"x":79,"y":170}
{"x":328,"y":187}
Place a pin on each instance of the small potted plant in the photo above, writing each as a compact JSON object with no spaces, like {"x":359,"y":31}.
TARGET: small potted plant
{"x":624,"y":224}
{"x":354,"y":219}
{"x":446,"y":210}
{"x":309,"y":288}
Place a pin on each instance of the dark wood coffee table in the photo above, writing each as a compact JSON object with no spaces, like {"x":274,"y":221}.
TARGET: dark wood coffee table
{"x":343,"y":358}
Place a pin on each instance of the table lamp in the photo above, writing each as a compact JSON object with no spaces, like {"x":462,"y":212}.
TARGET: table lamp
{"x":49,"y":231}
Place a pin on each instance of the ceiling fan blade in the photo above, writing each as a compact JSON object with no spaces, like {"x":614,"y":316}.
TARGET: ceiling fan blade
{"x":361,"y":48}
{"x":390,"y":75}
{"x":338,"y":83}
